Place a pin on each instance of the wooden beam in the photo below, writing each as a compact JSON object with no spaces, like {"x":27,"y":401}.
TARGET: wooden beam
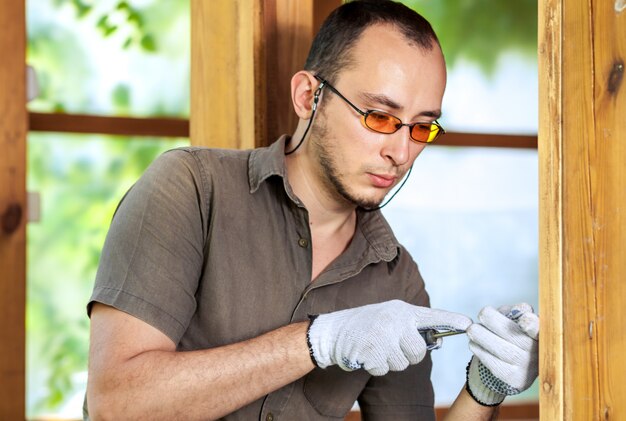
{"x":174,"y":127}
{"x":321,"y":10}
{"x":227,"y":73}
{"x":487,"y":140}
{"x":583,"y":222}
{"x":288,"y":33}
{"x":127,"y":126}
{"x":12,"y":209}
{"x":550,"y":147}
{"x":508,"y":411}
{"x":603,"y":207}
{"x":244,"y":53}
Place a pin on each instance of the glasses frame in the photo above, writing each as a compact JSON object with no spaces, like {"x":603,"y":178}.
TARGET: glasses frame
{"x":365,"y":114}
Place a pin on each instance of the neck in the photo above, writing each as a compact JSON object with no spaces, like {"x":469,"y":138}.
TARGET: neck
{"x":326,"y":210}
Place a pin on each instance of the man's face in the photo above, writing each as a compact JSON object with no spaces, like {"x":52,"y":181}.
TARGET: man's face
{"x":360,"y":166}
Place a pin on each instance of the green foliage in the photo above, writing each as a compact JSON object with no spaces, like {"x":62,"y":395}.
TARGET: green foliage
{"x":120,"y":14}
{"x":48,"y":51}
{"x":121,"y":97}
{"x":148,"y":43}
{"x":82,"y":58}
{"x":80,"y":180}
{"x":481,"y":30}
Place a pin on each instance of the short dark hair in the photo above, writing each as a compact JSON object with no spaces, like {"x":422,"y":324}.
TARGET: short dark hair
{"x":332,"y":46}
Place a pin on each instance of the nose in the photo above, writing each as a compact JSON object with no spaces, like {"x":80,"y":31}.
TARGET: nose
{"x":397,"y":147}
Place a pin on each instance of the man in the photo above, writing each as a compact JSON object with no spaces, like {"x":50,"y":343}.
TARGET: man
{"x":266,"y":285}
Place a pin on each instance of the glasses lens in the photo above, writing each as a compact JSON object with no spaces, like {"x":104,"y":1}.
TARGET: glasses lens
{"x":425,"y":132}
{"x":382,"y":122}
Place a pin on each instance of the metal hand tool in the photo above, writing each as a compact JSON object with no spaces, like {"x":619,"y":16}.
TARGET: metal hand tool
{"x":431,"y":335}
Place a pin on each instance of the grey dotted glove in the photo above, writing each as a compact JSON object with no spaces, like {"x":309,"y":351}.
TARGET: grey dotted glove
{"x":377,"y":337}
{"x":505,"y":347}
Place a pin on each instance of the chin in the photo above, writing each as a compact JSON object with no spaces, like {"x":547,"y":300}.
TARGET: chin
{"x":367,"y":202}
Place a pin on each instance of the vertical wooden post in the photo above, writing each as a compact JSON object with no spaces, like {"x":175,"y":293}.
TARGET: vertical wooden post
{"x":13,"y":127}
{"x":244,"y":53}
{"x":227,"y":73}
{"x":550,"y":211}
{"x":288,"y":33}
{"x":605,"y":209}
{"x":582,"y":148}
{"x":289,"y":27}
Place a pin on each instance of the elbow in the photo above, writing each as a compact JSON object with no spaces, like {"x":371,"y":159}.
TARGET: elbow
{"x":101,"y":407}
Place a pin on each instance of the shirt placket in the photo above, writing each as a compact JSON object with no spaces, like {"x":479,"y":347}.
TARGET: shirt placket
{"x":275,"y":402}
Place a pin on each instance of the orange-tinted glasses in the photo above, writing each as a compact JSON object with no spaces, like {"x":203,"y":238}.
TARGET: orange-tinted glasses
{"x":382,"y":122}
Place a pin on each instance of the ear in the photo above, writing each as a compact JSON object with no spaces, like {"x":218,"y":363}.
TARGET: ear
{"x":303,"y":85}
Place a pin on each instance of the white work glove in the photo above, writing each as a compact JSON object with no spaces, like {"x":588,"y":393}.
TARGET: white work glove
{"x":505,"y":347}
{"x":377,"y":337}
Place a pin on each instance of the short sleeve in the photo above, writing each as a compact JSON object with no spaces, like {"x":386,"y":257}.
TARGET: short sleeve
{"x":153,"y":254}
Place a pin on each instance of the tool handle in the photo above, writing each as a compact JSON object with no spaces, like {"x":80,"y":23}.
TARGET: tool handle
{"x":431,"y":335}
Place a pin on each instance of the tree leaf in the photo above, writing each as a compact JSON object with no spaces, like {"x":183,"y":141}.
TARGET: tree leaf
{"x":148,"y":43}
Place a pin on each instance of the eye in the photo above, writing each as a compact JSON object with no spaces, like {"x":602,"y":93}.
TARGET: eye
{"x":382,"y":122}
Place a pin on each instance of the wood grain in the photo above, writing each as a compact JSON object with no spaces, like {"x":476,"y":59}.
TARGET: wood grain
{"x":175,"y":127}
{"x":13,"y":129}
{"x":607,"y":216}
{"x":550,"y":146}
{"x":288,"y":32}
{"x":582,"y":49}
{"x":227,"y":73}
{"x":92,"y":124}
{"x":487,"y":140}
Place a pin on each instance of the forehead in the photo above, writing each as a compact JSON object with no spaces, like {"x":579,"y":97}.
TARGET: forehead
{"x":385,"y":62}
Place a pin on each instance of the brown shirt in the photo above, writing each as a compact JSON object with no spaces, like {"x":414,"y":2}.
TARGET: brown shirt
{"x":212,"y":247}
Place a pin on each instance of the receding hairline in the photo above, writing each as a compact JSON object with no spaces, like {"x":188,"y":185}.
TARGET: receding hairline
{"x":350,"y":62}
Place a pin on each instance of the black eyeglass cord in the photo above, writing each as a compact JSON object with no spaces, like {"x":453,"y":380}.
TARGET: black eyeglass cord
{"x":393,"y":195}
{"x":316,"y":99}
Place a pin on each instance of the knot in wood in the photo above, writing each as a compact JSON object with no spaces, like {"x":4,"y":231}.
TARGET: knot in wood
{"x":616,"y":76}
{"x":11,"y":218}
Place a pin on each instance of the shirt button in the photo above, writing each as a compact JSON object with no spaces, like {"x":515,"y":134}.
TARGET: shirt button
{"x":269,"y":417}
{"x":303,"y":242}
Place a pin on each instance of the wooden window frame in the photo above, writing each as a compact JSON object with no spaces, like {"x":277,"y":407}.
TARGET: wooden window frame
{"x":275,"y":13}
{"x":179,"y":128}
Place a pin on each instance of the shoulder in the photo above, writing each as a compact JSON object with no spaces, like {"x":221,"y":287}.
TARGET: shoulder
{"x":202,"y":157}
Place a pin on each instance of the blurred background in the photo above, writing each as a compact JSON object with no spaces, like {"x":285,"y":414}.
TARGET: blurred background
{"x":468,"y":214}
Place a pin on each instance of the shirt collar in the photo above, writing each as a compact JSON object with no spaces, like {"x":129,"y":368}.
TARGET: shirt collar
{"x":377,"y":232}
{"x":268,"y":161}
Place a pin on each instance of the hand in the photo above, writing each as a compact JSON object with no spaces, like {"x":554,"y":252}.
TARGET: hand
{"x":377,"y":337}
{"x":505,"y":347}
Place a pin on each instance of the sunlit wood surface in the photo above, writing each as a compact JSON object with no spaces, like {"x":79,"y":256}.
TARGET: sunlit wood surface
{"x":227,"y":66}
{"x":582,"y":49}
{"x":244,"y":53}
{"x":13,"y":126}
{"x":550,"y":211}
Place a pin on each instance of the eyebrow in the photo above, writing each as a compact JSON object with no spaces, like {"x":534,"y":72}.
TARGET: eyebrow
{"x":381,"y":99}
{"x":388,"y":102}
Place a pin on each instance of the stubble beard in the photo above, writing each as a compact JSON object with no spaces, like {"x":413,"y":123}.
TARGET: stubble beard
{"x":323,"y":146}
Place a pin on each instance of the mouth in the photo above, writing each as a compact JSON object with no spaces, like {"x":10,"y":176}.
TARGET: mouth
{"x":382,"y":180}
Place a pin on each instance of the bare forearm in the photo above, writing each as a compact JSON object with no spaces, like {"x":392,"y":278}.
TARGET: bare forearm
{"x":203,"y":384}
{"x":466,"y":409}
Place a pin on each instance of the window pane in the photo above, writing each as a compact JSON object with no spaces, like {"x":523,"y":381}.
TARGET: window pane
{"x":468,"y":216}
{"x":80,"y":180}
{"x":110,"y":57}
{"x":491,"y":53}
